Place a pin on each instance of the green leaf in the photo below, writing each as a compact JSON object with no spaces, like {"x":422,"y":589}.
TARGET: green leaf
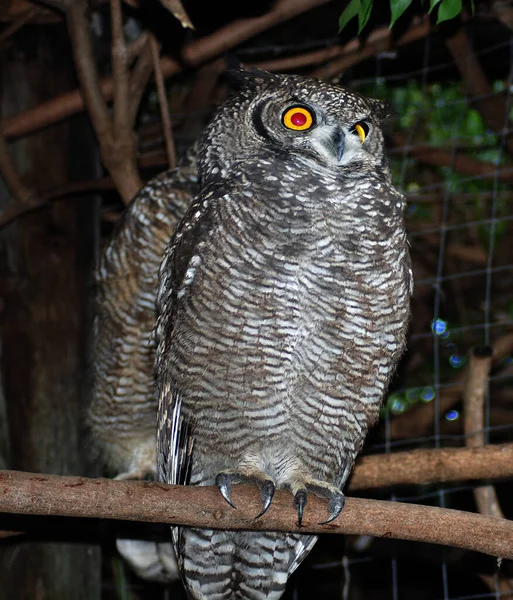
{"x":351,"y":10}
{"x":364,"y":14}
{"x":432,"y":4}
{"x":448,"y":10}
{"x":397,"y":7}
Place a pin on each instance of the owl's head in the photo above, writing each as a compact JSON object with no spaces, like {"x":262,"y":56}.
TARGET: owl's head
{"x":325,"y":126}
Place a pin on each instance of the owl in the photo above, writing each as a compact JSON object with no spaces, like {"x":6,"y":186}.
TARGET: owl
{"x":282,"y":306}
{"x":123,"y":414}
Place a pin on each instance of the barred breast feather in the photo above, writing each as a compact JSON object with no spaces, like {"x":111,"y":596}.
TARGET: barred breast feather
{"x":283,"y":306}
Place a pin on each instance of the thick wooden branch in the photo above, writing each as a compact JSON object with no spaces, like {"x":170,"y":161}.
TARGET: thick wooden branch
{"x":430,"y":466}
{"x":474,"y":396}
{"x":117,"y":143}
{"x":36,"y":494}
{"x":194,"y":54}
{"x":90,"y":86}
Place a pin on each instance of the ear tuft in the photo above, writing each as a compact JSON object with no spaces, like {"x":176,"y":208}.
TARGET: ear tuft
{"x":383,"y":109}
{"x":245,"y":77}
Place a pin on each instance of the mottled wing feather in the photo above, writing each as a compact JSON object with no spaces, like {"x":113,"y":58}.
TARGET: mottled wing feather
{"x":223,"y":556}
{"x":122,"y":416}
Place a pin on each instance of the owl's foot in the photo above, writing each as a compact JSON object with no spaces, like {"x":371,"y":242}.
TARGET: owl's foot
{"x":265,"y":484}
{"x":322,"y":489}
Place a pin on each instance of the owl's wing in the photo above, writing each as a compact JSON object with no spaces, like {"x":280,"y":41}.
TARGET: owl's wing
{"x":303,"y":545}
{"x":121,"y":416}
{"x":175,"y":436}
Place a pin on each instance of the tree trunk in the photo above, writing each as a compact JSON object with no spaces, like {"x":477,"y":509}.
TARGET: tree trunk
{"x":46,"y":263}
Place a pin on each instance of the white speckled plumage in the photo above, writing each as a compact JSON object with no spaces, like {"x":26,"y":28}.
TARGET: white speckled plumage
{"x":122,"y":416}
{"x":283,"y":306}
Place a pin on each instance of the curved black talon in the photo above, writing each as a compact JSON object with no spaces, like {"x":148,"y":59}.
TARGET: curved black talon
{"x":224,"y":483}
{"x":267,"y":489}
{"x":335,"y":506}
{"x":300,"y":499}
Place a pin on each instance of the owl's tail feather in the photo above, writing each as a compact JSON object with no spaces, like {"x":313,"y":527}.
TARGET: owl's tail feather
{"x":236,"y":565}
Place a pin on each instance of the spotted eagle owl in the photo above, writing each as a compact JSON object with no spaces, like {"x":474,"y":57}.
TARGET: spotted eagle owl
{"x":123,"y":414}
{"x":282,"y":311}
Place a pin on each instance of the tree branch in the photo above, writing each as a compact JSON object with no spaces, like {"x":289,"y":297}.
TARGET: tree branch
{"x":194,"y":506}
{"x":504,"y":12}
{"x":417,"y":467}
{"x":45,"y":198}
{"x":378,"y":41}
{"x":491,"y":107}
{"x":139,"y":78}
{"x":120,"y":72}
{"x":426,"y":466}
{"x":474,"y":394}
{"x":194,"y":54}
{"x":163,"y":104}
{"x":90,"y":87}
{"x":117,"y":144}
{"x":439,"y":157}
{"x":24,"y":18}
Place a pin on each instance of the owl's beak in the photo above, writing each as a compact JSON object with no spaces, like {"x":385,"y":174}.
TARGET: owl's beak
{"x":338,"y":140}
{"x":330,"y":142}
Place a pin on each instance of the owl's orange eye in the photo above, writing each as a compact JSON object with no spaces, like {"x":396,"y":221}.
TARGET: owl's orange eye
{"x":298,"y":118}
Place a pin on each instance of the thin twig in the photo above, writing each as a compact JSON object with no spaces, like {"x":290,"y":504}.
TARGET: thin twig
{"x":19,"y":22}
{"x":194,"y":54}
{"x":139,"y":78}
{"x":378,"y":41}
{"x":46,"y":198}
{"x":164,"y":107}
{"x":122,"y":125}
{"x":197,"y":506}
